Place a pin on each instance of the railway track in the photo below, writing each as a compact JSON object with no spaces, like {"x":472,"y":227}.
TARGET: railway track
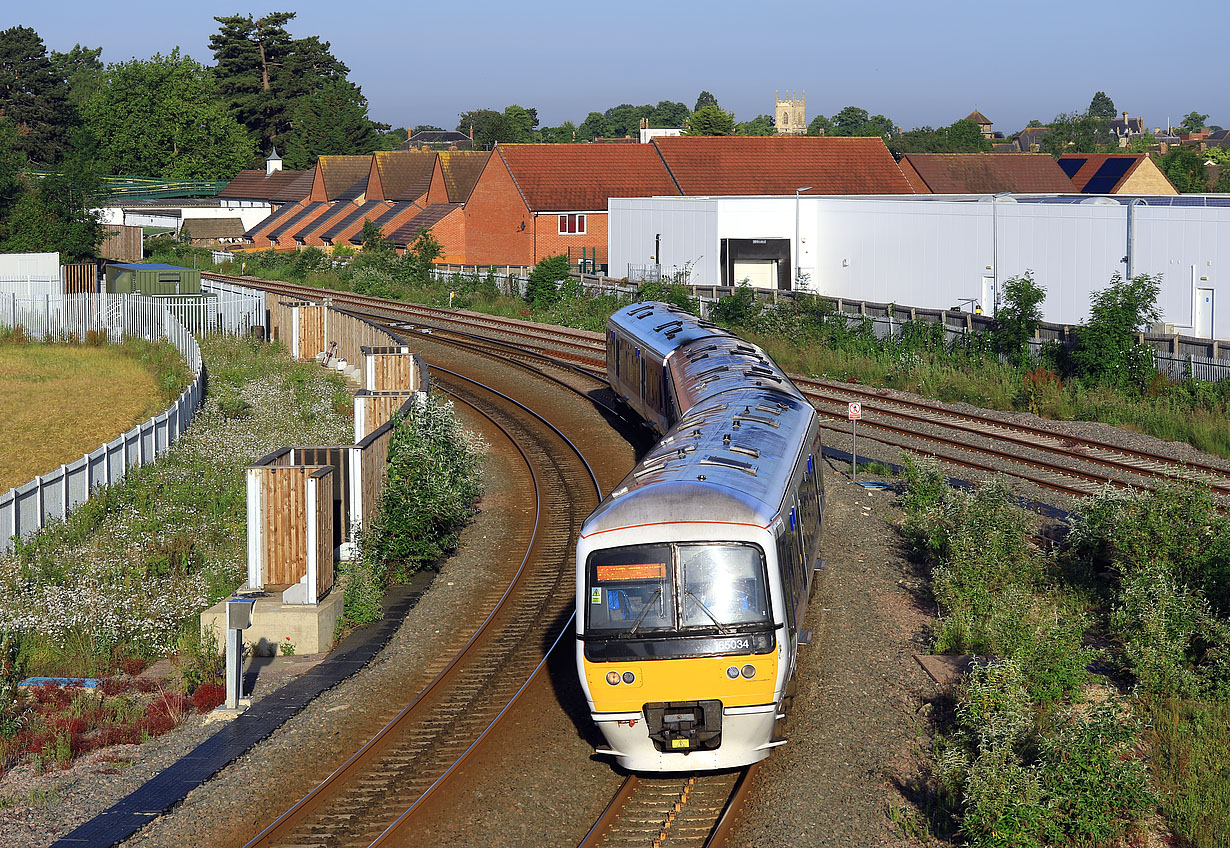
{"x":373,"y":796}
{"x":1073,"y":467}
{"x":688,"y":811}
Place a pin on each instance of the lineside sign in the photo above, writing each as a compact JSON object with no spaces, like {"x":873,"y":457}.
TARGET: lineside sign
{"x":856,"y":411}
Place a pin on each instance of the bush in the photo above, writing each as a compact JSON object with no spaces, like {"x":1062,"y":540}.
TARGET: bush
{"x":430,"y":489}
{"x":541,"y":291}
{"x":1105,"y":350}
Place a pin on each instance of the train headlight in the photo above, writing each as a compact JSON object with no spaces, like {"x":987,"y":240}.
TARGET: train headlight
{"x":612,"y":677}
{"x":733,"y":672}
{"x":629,"y":677}
{"x":749,"y":671}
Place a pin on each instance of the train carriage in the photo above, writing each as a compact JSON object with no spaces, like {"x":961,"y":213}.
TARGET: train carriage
{"x":693,"y":575}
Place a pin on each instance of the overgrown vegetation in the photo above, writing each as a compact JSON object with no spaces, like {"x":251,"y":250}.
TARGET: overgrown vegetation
{"x":175,"y":529}
{"x":1037,"y":751}
{"x":429,"y":494}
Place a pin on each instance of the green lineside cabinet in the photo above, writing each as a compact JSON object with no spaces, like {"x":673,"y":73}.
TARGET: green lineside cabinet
{"x":152,"y":279}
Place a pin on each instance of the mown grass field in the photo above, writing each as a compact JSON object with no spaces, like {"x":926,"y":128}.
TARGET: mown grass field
{"x":58,"y":402}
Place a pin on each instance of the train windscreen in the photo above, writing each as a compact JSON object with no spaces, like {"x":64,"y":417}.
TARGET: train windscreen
{"x":648,"y":589}
{"x":721,"y":585}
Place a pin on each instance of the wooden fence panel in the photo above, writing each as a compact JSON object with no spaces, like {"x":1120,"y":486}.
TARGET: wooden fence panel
{"x":285,"y":520}
{"x":325,"y":531}
{"x":79,"y":278}
{"x":313,"y":331}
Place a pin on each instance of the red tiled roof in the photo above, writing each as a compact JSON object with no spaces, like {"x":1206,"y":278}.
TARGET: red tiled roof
{"x":425,"y":220}
{"x":987,"y":173}
{"x":254,"y":185}
{"x":402,"y":174}
{"x":271,"y":220}
{"x":461,"y":169}
{"x":780,"y":164}
{"x":335,"y":229}
{"x":1093,"y":162}
{"x":559,"y":177}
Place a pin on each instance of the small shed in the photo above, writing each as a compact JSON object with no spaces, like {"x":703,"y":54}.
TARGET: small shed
{"x":146,"y":278}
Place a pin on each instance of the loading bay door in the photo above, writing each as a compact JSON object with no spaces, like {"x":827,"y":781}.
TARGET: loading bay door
{"x":764,"y":262}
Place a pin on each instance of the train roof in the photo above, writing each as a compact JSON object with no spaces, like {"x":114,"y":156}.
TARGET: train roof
{"x":728,"y":460}
{"x":708,"y":367}
{"x":663,"y":327}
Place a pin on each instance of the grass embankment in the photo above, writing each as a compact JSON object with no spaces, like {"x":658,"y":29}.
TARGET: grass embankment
{"x":124,"y":578}
{"x":61,"y":400}
{"x":1035,"y":749}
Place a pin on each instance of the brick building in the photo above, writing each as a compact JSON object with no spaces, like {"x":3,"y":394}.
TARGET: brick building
{"x":538,"y":200}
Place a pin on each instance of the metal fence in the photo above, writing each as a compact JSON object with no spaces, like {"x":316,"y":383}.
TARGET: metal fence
{"x":29,"y":507}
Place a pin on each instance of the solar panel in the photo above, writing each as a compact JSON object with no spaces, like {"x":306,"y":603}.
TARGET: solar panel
{"x":1108,"y":176}
{"x":1071,"y":165}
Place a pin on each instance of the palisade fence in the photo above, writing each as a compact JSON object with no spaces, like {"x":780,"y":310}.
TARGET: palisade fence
{"x":29,"y":507}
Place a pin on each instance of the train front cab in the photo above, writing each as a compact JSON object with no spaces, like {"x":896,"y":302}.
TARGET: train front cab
{"x":685,"y":649}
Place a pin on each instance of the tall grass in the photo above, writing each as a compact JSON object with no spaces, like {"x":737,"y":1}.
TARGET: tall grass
{"x":128,"y":572}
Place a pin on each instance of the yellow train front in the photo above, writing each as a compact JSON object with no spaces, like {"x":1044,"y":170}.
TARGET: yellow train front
{"x":692,"y":584}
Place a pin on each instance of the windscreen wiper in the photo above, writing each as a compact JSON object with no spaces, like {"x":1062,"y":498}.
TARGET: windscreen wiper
{"x":721,"y":627}
{"x":648,"y":606}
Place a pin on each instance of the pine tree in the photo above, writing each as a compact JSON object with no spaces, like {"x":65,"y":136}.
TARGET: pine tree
{"x":1101,"y":106}
{"x":332,"y":120}
{"x":33,"y":97}
{"x":261,"y":71}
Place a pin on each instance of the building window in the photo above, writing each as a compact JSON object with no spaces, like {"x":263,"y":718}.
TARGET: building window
{"x":572,"y":224}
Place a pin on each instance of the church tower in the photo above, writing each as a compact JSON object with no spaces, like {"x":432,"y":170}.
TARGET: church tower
{"x":791,"y":114}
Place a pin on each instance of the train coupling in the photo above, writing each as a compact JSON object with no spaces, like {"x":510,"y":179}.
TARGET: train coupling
{"x":683,"y":726}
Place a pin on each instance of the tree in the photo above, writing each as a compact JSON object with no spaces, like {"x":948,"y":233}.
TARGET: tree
{"x":1105,"y":348}
{"x":331,"y":120}
{"x":523,"y":120}
{"x":420,"y":257}
{"x":820,"y":125}
{"x":760,"y":125}
{"x":711,"y":120}
{"x":854,"y":121}
{"x":669,"y":113}
{"x":1184,"y":166}
{"x":33,"y":96}
{"x":962,"y":137}
{"x":540,"y":290}
{"x":261,"y":71}
{"x":563,"y":134}
{"x":81,"y":69}
{"x":1193,"y":122}
{"x":373,"y":239}
{"x":491,"y":126}
{"x":163,"y":118}
{"x":1101,"y":106}
{"x":703,"y":100}
{"x":54,"y":213}
{"x":1075,"y":133}
{"x":1018,"y":317}
{"x":12,"y":164}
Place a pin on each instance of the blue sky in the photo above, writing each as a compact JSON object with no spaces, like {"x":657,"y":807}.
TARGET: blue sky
{"x":423,"y":63}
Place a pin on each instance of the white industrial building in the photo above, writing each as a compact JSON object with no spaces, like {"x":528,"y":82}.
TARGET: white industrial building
{"x":940,"y":251}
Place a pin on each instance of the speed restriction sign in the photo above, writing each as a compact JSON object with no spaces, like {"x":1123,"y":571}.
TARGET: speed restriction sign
{"x":856,"y":411}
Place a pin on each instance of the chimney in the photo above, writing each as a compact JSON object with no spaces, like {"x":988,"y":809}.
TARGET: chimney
{"x":273,"y":163}
{"x":471,"y":132}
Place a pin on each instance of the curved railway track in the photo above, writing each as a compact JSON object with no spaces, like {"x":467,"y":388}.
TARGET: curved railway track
{"x":374,"y":794}
{"x":1036,"y":455}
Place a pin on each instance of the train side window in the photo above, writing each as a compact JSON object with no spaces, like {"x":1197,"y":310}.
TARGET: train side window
{"x":786,"y":570}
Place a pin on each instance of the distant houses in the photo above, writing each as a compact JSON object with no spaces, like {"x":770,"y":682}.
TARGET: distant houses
{"x":522,"y":202}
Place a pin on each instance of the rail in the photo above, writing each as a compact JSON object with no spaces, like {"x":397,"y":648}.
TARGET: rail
{"x":27,"y":508}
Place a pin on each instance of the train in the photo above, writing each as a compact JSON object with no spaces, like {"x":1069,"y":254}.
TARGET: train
{"x":694,"y":573}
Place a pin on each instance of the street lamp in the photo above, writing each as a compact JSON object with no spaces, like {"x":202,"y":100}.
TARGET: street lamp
{"x":797,"y":269}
